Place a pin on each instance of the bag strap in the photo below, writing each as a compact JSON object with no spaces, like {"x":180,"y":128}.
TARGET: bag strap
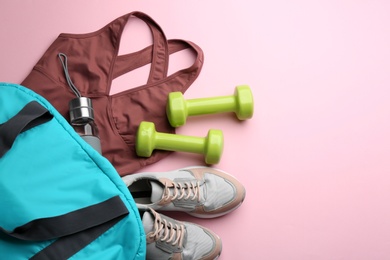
{"x":70,"y":223}
{"x":66,"y":247}
{"x":73,"y":230}
{"x":31,"y":115}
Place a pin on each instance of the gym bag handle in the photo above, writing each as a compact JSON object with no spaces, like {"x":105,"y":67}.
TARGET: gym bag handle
{"x":73,"y":230}
{"x":31,"y":115}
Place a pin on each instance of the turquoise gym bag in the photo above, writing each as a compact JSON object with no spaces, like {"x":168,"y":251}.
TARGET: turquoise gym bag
{"x":59,"y":198}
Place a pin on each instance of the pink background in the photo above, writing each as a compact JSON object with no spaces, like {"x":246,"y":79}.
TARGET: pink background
{"x":314,"y":158}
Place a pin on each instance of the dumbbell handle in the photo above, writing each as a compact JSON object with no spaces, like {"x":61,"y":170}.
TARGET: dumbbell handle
{"x":178,"y":108}
{"x":149,"y":139}
{"x":181,"y":143}
{"x":201,"y":106}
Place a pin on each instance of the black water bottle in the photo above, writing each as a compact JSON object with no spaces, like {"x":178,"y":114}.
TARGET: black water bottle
{"x":83,"y":121}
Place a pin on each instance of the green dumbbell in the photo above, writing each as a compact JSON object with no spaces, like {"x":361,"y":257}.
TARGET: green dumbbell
{"x":149,"y":139}
{"x":178,"y":109}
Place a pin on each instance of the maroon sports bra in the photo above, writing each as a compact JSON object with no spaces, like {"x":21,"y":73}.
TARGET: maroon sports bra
{"x":93,"y":63}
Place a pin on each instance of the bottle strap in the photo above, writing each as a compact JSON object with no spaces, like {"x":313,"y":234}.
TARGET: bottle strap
{"x":64,"y":62}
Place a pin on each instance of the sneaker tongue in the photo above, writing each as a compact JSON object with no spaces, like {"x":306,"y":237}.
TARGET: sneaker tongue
{"x":157,"y":191}
{"x":148,"y":222}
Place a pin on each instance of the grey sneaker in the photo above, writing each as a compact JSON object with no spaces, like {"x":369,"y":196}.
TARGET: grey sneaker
{"x":167,"y":238}
{"x":200,"y":191}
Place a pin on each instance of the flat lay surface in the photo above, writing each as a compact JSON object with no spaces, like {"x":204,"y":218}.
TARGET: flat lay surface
{"x":314,"y":158}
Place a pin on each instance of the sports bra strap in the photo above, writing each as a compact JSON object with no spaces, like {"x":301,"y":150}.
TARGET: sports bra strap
{"x":159,"y":68}
{"x":128,"y":62}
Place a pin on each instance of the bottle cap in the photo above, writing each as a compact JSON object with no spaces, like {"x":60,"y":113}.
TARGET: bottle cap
{"x":81,"y":110}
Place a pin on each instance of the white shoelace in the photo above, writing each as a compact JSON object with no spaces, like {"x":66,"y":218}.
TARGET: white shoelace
{"x":167,"y":231}
{"x":182,"y":191}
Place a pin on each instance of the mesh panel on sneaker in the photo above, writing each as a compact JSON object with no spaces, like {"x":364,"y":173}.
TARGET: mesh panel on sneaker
{"x":171,"y":239}
{"x":219,"y":191}
{"x":201,"y":241}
